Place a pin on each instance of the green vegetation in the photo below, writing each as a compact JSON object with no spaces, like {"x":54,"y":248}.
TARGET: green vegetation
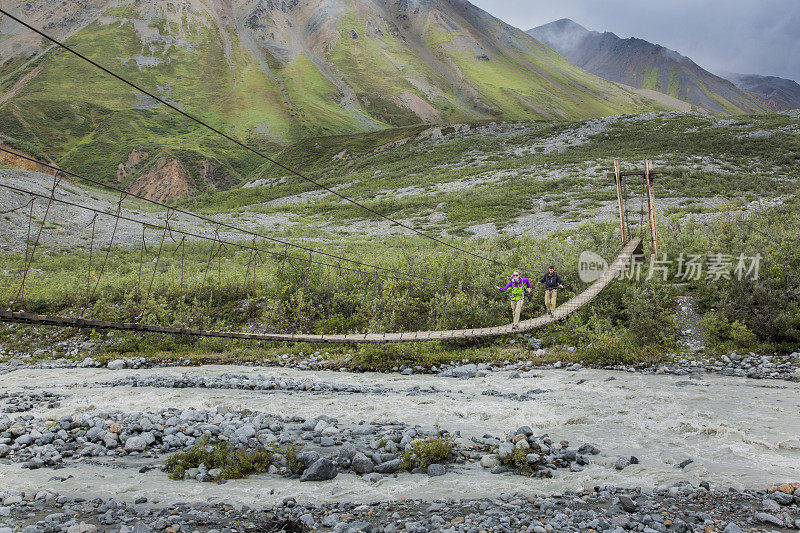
{"x":292,"y":462}
{"x":482,"y":176}
{"x":631,"y":322}
{"x":753,"y":314}
{"x":651,"y":80}
{"x":234,"y":463}
{"x":727,"y":336}
{"x":425,"y":452}
{"x":489,"y":173}
{"x":674,"y":87}
{"x":70,"y":112}
{"x":518,"y":460}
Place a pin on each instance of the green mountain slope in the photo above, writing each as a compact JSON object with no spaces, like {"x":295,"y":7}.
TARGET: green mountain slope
{"x":268,"y":73}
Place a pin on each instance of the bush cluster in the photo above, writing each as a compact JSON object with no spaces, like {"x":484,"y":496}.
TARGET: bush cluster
{"x":233,"y":462}
{"x":427,"y":451}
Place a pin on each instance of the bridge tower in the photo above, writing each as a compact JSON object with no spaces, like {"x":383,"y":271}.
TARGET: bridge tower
{"x":647,"y":175}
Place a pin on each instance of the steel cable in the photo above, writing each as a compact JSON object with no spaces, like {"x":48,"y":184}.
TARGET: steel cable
{"x":402,"y":276}
{"x":231,"y":227}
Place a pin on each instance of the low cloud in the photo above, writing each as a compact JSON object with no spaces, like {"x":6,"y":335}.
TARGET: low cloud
{"x":746,"y":36}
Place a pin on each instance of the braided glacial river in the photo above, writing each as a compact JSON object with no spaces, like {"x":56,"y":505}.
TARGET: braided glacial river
{"x":739,"y":432}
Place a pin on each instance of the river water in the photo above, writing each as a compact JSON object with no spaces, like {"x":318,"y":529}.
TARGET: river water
{"x":739,"y":432}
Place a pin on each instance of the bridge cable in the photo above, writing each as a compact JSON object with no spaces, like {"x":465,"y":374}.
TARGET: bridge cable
{"x":230,"y":226}
{"x":250,"y":149}
{"x":29,"y":260}
{"x":223,"y":243}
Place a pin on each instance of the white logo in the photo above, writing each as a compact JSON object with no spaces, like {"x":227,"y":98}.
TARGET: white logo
{"x":591,"y":266}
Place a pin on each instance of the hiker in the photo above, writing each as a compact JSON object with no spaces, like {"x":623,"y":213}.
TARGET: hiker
{"x":518,"y":285}
{"x":552,"y":282}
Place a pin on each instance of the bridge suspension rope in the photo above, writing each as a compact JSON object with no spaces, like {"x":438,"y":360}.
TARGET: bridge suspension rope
{"x":220,"y":224}
{"x":166,"y":229}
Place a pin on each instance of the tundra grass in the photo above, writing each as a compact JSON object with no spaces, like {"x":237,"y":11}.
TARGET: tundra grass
{"x":518,"y":178}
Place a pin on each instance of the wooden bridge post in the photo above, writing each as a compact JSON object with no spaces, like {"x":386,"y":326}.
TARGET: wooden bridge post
{"x":651,"y":206}
{"x":621,"y":200}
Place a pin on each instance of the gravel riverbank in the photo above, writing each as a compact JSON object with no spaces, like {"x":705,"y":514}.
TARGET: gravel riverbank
{"x":680,"y":508}
{"x":532,"y":449}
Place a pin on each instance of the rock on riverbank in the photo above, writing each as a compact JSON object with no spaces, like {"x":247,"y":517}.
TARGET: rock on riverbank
{"x":322,"y":445}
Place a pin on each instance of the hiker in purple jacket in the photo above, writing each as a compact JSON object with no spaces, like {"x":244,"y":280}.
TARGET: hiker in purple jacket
{"x":517,"y":285}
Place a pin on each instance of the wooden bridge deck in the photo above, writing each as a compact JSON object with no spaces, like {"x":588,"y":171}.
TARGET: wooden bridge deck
{"x":618,"y":265}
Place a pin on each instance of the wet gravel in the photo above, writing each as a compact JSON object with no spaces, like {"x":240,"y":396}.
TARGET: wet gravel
{"x":680,"y":508}
{"x":20,"y":402}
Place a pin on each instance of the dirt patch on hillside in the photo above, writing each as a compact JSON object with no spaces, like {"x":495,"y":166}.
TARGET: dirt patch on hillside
{"x":20,"y":163}
{"x":135,"y":158}
{"x":425,"y":111}
{"x":166,"y":180}
{"x":17,"y":87}
{"x":213,"y":173}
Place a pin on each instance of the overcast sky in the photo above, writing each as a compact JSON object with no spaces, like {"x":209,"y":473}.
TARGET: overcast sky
{"x":746,"y":36}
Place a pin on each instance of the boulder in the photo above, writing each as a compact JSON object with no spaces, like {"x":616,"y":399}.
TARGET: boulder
{"x":525,"y":430}
{"x":82,"y":527}
{"x":362,"y":464}
{"x":95,"y":434}
{"x":504,"y":450}
{"x":320,"y":470}
{"x":782,"y":497}
{"x":347,"y":451}
{"x":135,"y":444}
{"x":627,"y":503}
{"x":389,"y":467}
{"x":116,"y":364}
{"x":767,"y":518}
{"x":245,"y":432}
{"x":306,"y":458}
{"x":490,"y":460}
{"x":461,"y":372}
{"x":436,"y":470}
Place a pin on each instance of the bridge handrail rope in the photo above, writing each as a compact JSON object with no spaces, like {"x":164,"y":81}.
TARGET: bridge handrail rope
{"x":29,"y":260}
{"x":110,"y":243}
{"x":397,"y":275}
{"x":249,"y":148}
{"x":229,"y":226}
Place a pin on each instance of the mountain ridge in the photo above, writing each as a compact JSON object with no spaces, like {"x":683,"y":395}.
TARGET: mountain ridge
{"x":645,"y":65}
{"x":778,"y":93}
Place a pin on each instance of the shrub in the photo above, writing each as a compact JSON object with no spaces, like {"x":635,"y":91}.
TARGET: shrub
{"x":519,"y":461}
{"x":235,"y":463}
{"x":723,"y":335}
{"x":427,"y":451}
{"x":291,"y":459}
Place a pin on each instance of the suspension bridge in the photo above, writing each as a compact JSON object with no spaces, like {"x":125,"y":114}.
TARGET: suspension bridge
{"x":572,"y":305}
{"x":257,"y":245}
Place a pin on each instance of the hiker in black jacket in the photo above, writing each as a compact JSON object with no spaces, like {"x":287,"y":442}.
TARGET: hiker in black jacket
{"x":552,"y":282}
